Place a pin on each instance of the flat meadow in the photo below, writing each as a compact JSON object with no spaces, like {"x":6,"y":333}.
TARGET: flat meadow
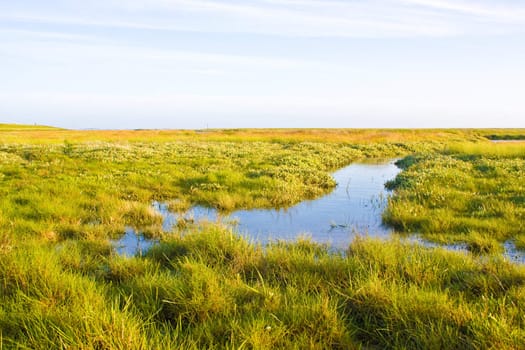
{"x":66,"y":194}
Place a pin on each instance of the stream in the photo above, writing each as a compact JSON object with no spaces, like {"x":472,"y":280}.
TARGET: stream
{"x":352,"y":209}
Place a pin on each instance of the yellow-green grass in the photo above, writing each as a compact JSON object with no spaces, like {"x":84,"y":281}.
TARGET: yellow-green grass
{"x":31,"y":134}
{"x":26,"y":127}
{"x":212,"y":289}
{"x":504,"y":134}
{"x":64,"y":194}
{"x":92,"y":190}
{"x":471,"y":193}
{"x":489,"y":149}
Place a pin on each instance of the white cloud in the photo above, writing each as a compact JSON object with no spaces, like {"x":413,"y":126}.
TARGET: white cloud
{"x":76,"y":52}
{"x":308,"y":18}
{"x":76,"y":20}
{"x":35,"y":34}
{"x":494,"y":10}
{"x":67,"y":64}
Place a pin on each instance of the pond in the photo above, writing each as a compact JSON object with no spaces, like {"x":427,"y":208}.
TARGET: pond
{"x":353,"y":208}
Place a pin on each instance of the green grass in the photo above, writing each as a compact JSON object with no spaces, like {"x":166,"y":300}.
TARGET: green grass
{"x":212,"y":289}
{"x":29,"y":134}
{"x":65,"y":194}
{"x":488,"y":150}
{"x":471,"y":193}
{"x":93,"y":190}
{"x":25,"y":128}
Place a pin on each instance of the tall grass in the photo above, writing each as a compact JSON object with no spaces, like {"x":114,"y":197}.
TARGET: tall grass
{"x":210,"y":288}
{"x":64,"y":194}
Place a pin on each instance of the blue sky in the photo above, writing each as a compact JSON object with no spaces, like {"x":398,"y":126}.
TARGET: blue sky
{"x":263,"y":63}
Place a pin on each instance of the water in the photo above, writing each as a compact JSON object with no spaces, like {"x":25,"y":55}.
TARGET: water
{"x":456,"y":247}
{"x":132,"y":243}
{"x":353,"y":207}
{"x":512,"y":253}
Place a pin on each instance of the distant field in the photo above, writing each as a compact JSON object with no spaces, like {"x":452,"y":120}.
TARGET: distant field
{"x":64,"y":194}
{"x":43,"y":134}
{"x":22,"y":127}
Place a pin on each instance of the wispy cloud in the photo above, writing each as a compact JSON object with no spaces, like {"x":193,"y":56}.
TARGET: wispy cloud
{"x":369,"y":18}
{"x":78,"y":52}
{"x":308,"y":18}
{"x":78,"y":20}
{"x":43,"y":34}
{"x":245,"y":58}
{"x":494,"y":10}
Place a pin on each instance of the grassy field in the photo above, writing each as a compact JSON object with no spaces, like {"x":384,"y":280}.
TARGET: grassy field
{"x":23,"y":134}
{"x":472,"y":193}
{"x":66,"y":193}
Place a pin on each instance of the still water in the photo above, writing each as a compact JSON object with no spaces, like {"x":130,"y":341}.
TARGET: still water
{"x":353,"y":207}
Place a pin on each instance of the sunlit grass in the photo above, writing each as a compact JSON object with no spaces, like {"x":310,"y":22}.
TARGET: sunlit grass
{"x":64,"y":194}
{"x":94,"y":189}
{"x":472,"y":193}
{"x":26,"y":127}
{"x":210,"y":288}
{"x":489,"y":149}
{"x":36,"y":134}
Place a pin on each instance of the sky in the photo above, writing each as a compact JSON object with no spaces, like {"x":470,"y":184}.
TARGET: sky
{"x":194,"y":64}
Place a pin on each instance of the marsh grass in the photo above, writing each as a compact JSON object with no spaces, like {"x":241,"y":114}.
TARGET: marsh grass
{"x":28,"y":134}
{"x":85,"y":191}
{"x":488,"y":149}
{"x":64,"y":194}
{"x":210,"y":288}
{"x":471,"y":193}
